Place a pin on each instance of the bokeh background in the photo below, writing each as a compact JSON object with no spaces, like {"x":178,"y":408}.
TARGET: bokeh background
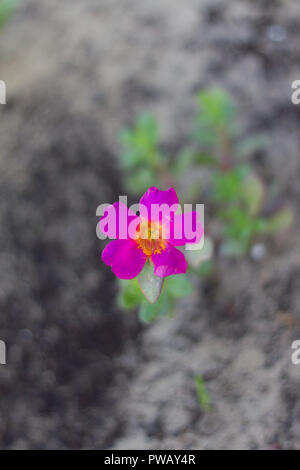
{"x":80,"y":372}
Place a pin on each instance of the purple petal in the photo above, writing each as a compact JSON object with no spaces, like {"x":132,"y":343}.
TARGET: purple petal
{"x":124,"y":257}
{"x":170,"y":261}
{"x":185,"y":228}
{"x":155,"y":196}
{"x":116,"y":220}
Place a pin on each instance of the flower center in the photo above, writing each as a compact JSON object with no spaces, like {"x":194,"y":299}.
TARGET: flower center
{"x":150,"y":238}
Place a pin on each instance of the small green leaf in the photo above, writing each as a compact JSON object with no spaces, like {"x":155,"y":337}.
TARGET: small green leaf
{"x":202,"y":393}
{"x":150,"y":284}
{"x":215,"y":119}
{"x":183,"y":161}
{"x":130,"y":295}
{"x":227,"y":185}
{"x":200,"y":252}
{"x":206,"y":159}
{"x":148,"y":127}
{"x":178,"y":286}
{"x":140,"y":144}
{"x":205,"y":269}
{"x":6,"y":9}
{"x":147,"y":312}
{"x":141,"y":180}
{"x":282,"y":220}
{"x":252,"y":193}
{"x":241,"y":226}
{"x":175,"y":287}
{"x":217,"y":106}
{"x":162,"y":308}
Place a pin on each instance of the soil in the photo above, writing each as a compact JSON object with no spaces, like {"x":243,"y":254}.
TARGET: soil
{"x":80,"y":372}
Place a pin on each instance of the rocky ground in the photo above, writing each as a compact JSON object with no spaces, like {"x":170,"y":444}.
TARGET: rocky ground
{"x":81,"y":373}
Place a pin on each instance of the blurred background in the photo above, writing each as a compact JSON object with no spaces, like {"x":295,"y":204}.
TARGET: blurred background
{"x":80,"y":372}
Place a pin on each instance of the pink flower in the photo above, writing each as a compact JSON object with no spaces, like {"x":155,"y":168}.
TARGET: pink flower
{"x":151,"y":235}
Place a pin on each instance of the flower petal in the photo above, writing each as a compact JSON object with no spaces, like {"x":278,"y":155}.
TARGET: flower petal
{"x":124,"y":257}
{"x":170,"y":261}
{"x":157,"y":197}
{"x":185,"y":228}
{"x":116,"y":220}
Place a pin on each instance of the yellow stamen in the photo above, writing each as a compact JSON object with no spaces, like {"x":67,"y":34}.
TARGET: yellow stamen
{"x":150,"y":238}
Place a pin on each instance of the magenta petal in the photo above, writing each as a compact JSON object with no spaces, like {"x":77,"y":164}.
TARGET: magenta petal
{"x":170,"y":261}
{"x":155,"y":196}
{"x":185,"y":228}
{"x":124,"y":257}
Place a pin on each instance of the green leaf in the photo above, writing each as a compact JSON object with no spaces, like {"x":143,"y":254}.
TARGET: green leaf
{"x":205,"y":269}
{"x":240,"y":226}
{"x":227,"y":186}
{"x":150,"y":284}
{"x":141,"y":180}
{"x":206,"y":159}
{"x":162,"y":308}
{"x":217,"y":107}
{"x":202,"y":393}
{"x":252,"y":193}
{"x":140,"y":144}
{"x":147,"y":312}
{"x":200,"y":252}
{"x":282,"y":220}
{"x":7,"y":7}
{"x":178,"y":286}
{"x":183,"y":161}
{"x":130,"y":295}
{"x":215,"y":119}
{"x":148,"y":127}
